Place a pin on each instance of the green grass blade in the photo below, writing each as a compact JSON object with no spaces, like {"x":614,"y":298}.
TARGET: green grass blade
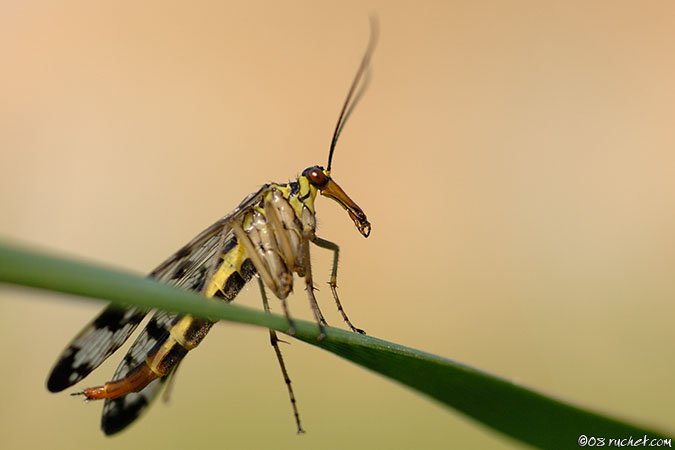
{"x":514,"y":410}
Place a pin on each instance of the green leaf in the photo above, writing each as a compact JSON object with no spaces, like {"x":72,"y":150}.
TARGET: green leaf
{"x":514,"y":410}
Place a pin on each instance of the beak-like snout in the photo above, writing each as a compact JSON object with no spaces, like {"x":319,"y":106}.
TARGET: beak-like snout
{"x":334,"y":191}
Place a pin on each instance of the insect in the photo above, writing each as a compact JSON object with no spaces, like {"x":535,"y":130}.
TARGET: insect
{"x":266,"y":237}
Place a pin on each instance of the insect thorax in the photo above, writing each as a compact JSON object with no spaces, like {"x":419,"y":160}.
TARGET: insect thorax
{"x":275,"y":227}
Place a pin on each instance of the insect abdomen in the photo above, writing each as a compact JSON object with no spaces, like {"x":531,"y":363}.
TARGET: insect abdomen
{"x":187,"y":332}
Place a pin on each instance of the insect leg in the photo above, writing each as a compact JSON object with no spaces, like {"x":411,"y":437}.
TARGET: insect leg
{"x":261,"y":268}
{"x":332,"y":246}
{"x":274,"y":340}
{"x":274,"y":210}
{"x":310,"y":288}
{"x":295,"y":255}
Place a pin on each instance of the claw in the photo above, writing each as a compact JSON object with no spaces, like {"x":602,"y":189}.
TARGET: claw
{"x":322,"y":333}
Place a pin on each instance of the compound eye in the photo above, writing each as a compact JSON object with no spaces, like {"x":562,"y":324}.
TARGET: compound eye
{"x":316,"y":176}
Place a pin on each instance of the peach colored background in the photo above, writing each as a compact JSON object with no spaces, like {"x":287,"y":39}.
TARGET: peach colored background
{"x":515,"y":158}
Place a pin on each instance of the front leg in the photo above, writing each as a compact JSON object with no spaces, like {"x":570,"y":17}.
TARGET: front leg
{"x":263,"y":271}
{"x":332,"y":246}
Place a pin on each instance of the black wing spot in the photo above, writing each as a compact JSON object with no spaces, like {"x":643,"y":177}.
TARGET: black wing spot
{"x":128,"y":359}
{"x":120,"y":416}
{"x":114,"y":319}
{"x":60,"y":378}
{"x":181,"y":269}
{"x":230,"y":244}
{"x":182,"y":252}
{"x":155,"y":331}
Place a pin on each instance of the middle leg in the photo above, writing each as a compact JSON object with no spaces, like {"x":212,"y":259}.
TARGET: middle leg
{"x":274,"y":340}
{"x":309,"y":287}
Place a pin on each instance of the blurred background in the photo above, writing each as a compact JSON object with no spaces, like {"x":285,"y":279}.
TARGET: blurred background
{"x":515,"y":159}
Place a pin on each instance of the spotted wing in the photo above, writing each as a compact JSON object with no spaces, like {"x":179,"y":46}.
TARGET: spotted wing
{"x":189,"y":268}
{"x":93,"y":345}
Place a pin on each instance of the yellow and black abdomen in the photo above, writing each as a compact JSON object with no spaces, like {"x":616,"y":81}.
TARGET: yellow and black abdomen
{"x":263,"y":238}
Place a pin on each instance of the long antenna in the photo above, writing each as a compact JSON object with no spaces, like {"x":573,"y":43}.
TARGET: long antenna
{"x":352,"y":100}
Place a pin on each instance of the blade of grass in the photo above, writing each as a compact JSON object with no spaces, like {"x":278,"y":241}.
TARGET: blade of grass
{"x":514,"y":410}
